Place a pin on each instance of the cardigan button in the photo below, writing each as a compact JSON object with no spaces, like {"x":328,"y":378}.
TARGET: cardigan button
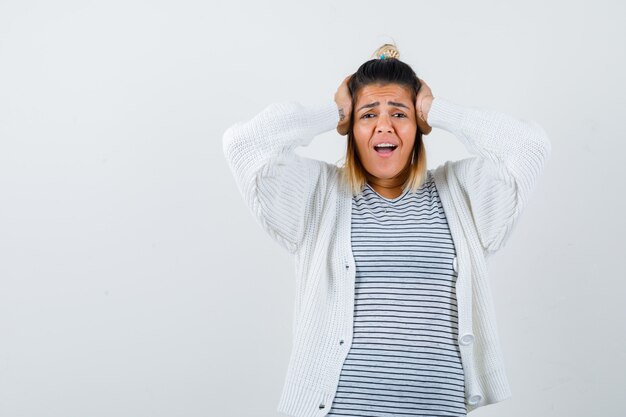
{"x":475,"y":399}
{"x":467,"y":339}
{"x":347,"y":266}
{"x":341,"y":342}
{"x":322,"y":405}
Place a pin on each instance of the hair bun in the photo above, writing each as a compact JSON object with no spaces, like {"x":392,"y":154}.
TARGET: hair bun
{"x":388,"y":50}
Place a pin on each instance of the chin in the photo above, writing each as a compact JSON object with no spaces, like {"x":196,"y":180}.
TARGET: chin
{"x":384,"y":175}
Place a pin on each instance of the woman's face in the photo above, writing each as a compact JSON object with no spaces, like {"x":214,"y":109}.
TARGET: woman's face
{"x":385,"y":115}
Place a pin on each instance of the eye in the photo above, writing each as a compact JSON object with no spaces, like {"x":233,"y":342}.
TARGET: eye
{"x":398,"y":114}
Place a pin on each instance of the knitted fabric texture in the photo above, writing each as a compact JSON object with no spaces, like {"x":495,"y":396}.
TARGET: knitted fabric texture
{"x":306,"y":208}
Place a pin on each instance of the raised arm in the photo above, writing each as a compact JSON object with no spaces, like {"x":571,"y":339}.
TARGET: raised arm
{"x":509,"y":156}
{"x":276,"y":183}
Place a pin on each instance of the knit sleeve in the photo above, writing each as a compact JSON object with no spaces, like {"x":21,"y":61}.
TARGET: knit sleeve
{"x":509,"y":155}
{"x":277,"y":184}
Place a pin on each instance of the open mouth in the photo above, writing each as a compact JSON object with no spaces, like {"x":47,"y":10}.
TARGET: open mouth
{"x":385,"y":149}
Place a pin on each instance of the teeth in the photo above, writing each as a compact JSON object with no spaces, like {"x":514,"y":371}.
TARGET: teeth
{"x":385,"y":145}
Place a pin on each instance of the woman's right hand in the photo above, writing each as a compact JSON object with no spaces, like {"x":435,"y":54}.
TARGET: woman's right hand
{"x":344,"y":106}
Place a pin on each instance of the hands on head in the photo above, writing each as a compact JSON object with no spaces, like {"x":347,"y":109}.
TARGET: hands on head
{"x":423,"y":102}
{"x":344,"y":105}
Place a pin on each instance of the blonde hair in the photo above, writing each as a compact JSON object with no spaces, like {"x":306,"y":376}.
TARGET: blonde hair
{"x":388,"y":50}
{"x":387,"y":69}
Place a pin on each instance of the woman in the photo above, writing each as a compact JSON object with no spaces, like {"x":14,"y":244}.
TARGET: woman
{"x":393,"y":311}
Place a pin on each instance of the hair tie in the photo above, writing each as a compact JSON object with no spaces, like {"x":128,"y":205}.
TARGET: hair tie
{"x":387,"y":51}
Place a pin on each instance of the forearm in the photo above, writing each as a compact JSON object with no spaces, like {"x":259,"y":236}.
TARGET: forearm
{"x":276,"y":183}
{"x":520,"y":147}
{"x":276,"y":131}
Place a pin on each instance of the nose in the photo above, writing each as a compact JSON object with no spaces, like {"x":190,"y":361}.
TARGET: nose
{"x":384,"y":124}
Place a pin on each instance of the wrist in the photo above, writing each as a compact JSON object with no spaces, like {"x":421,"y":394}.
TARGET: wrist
{"x":344,"y":110}
{"x":424,"y":107}
{"x":342,"y":113}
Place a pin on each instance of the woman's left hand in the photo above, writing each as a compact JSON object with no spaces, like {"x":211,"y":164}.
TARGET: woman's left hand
{"x":423,"y":102}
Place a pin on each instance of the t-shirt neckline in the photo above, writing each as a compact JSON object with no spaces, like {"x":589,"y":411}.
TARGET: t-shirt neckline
{"x":389,"y":200}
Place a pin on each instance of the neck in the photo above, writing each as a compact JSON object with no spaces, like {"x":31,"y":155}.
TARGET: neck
{"x":389,"y":187}
{"x":387,"y":192}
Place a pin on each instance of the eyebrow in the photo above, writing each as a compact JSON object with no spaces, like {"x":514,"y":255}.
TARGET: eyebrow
{"x":376,"y":103}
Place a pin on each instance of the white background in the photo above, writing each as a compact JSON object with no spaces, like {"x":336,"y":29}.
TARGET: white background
{"x":134,"y":282}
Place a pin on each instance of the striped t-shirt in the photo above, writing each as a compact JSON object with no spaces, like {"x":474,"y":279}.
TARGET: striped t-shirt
{"x":404,"y":358}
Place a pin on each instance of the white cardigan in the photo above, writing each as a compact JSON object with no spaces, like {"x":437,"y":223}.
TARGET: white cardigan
{"x":305,"y":207}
